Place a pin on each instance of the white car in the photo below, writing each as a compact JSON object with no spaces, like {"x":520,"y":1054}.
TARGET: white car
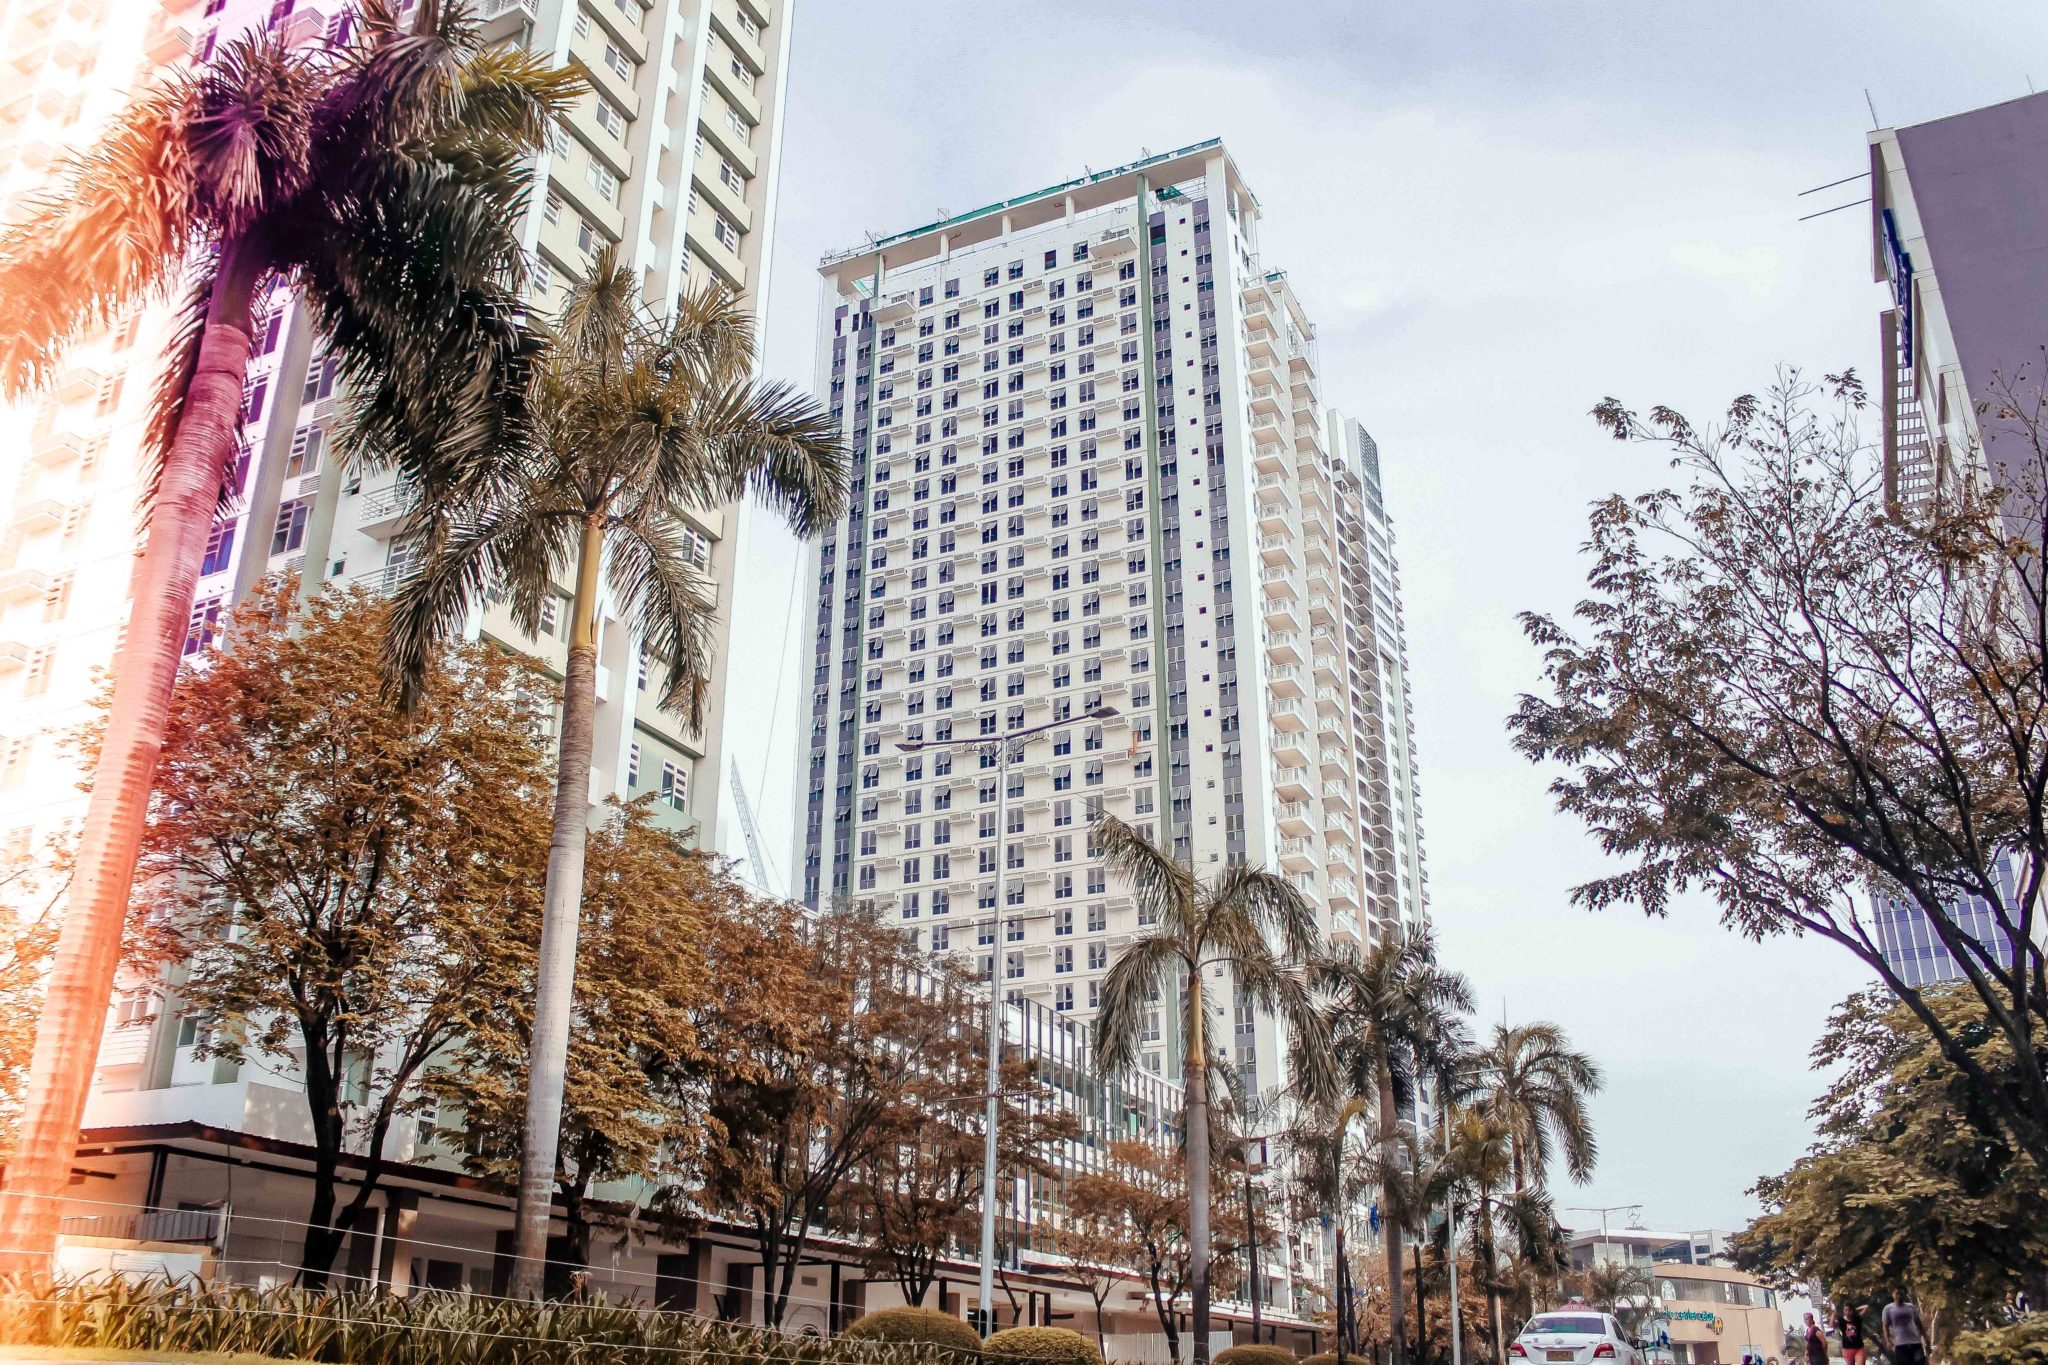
{"x":1574,"y":1336}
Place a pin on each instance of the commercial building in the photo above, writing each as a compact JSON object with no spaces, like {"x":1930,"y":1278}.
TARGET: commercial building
{"x":671,"y":156}
{"x":1711,"y":1315}
{"x":1644,"y":1249}
{"x":1956,"y":207}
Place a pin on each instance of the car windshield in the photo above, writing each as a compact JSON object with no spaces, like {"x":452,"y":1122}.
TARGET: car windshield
{"x":1559,"y":1322}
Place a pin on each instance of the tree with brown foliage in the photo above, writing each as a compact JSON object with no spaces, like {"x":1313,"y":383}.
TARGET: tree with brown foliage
{"x":1800,"y":695}
{"x":919,"y":1191}
{"x":1142,"y":1189}
{"x":647,"y":1030}
{"x":350,"y":890}
{"x":808,"y":1094}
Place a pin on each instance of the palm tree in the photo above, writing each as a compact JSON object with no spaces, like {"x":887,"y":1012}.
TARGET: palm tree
{"x":1479,"y":1150}
{"x":1231,"y":920}
{"x":1531,"y":1078}
{"x":634,"y":420}
{"x":1395,"y":1023}
{"x":1331,"y":1169}
{"x":381,"y":179}
{"x":1537,"y":1085}
{"x":1620,"y":1289}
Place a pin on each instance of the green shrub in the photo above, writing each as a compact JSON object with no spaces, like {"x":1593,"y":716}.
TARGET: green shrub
{"x":2023,"y":1343}
{"x":915,"y":1327}
{"x":1054,"y":1344}
{"x":359,"y":1328}
{"x":1258,"y":1355}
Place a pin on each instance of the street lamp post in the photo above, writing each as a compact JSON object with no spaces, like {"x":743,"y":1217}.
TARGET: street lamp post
{"x":1005,"y":746}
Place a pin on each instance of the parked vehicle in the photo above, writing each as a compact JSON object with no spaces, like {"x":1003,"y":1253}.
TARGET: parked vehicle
{"x":1575,"y":1336}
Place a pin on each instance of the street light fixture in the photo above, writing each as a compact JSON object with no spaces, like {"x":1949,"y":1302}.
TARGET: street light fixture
{"x":1006,"y":746}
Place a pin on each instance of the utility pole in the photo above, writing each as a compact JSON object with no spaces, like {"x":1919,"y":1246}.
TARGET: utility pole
{"x":1005,"y":749}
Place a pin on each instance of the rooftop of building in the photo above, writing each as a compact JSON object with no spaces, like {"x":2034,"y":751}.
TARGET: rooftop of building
{"x":1094,"y":190}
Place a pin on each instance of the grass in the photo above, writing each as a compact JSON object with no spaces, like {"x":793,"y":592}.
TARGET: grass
{"x":175,"y":1323}
{"x":99,"y":1353}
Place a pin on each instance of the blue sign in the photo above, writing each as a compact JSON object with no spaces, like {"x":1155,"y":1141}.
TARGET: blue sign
{"x":1899,"y":266}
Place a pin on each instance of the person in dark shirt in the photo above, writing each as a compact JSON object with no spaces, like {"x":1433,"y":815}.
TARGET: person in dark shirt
{"x":1849,"y":1331}
{"x":1816,"y":1343}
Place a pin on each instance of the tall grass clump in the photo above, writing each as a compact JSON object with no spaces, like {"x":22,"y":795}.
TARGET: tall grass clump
{"x":430,"y":1328}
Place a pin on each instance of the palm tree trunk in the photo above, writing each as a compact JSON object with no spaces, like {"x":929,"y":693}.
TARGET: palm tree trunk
{"x":1251,"y":1244}
{"x":554,"y":987}
{"x":88,"y":949}
{"x":1198,"y":1166}
{"x":1492,"y":1290}
{"x":1340,"y":1323}
{"x":1390,"y":1218}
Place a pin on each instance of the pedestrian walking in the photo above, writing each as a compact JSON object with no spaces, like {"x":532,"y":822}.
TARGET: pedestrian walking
{"x":1816,"y":1343}
{"x":1849,"y":1331}
{"x":1905,"y":1331}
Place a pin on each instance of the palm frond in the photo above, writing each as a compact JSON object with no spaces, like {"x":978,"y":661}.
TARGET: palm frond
{"x":509,"y":94}
{"x":655,"y":585}
{"x":1148,"y":969}
{"x":249,"y":130}
{"x":711,"y":334}
{"x":772,"y":443}
{"x":596,"y":326}
{"x":1159,"y":883}
{"x":517,"y":545}
{"x":105,"y":237}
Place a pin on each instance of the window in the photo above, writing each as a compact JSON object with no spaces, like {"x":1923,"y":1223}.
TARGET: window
{"x":675,"y":785}
{"x":611,"y":118}
{"x":619,"y":62}
{"x":730,"y":177}
{"x":305,"y":453}
{"x":602,"y":180}
{"x":203,"y":626}
{"x":289,"y":533}
{"x":220,"y":548}
{"x":727,"y":234}
{"x":319,"y":379}
{"x":633,"y":766}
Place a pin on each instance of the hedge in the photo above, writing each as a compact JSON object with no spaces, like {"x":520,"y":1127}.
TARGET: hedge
{"x":1257,"y":1355}
{"x":922,"y":1327}
{"x":1054,"y":1344}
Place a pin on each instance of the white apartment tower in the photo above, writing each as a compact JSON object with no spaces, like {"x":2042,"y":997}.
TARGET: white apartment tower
{"x":1094,"y":469}
{"x":671,"y":156}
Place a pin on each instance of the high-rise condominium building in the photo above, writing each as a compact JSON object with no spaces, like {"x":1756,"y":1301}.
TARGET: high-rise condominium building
{"x":671,"y":157}
{"x":1097,"y":489}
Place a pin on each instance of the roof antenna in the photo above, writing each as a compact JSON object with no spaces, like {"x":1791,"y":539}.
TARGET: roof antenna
{"x":1872,"y":106}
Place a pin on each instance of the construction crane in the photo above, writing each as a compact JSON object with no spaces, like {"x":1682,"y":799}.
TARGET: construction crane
{"x":757,"y":861}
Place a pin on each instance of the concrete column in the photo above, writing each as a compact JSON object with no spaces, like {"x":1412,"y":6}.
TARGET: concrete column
{"x":397,"y":1221}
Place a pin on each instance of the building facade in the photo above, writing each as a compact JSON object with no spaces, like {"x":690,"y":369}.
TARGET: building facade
{"x":1095,"y":476}
{"x":671,"y":157}
{"x":1956,"y":206}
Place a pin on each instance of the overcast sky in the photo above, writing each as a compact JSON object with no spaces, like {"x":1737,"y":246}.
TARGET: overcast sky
{"x":1498,"y":214}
